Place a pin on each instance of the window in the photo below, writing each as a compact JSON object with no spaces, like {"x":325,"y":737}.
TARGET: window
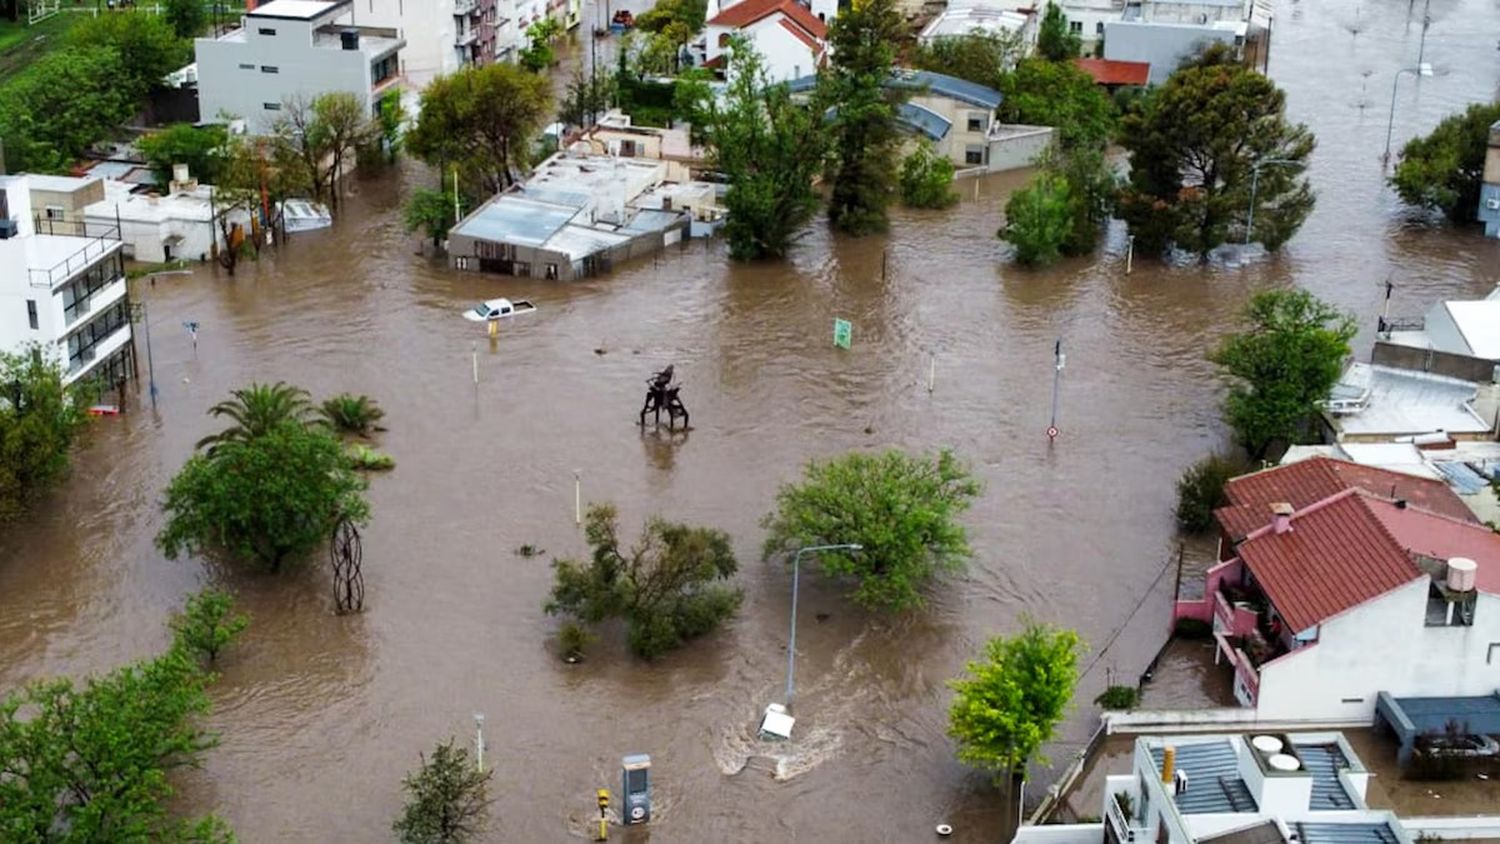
{"x":56,"y":212}
{"x":1099,"y":29}
{"x":1075,"y":27}
{"x":31,"y":314}
{"x":271,"y":106}
{"x":244,"y":66}
{"x":977,"y":121}
{"x":266,"y":68}
{"x":265,"y":31}
{"x":723,"y":40}
{"x":973,"y":154}
{"x":382,"y":70}
{"x":1446,"y":608}
{"x":627,"y":149}
{"x":552,"y":272}
{"x":523,"y":269}
{"x":81,"y":343}
{"x":78,"y":293}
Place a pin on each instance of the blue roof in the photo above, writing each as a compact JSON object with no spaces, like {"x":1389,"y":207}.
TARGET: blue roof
{"x":923,"y":80}
{"x":926,"y":121}
{"x":1324,"y":761}
{"x":1213,"y":774}
{"x":1461,"y":476}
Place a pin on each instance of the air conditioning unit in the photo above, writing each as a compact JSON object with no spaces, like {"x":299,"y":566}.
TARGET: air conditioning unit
{"x":8,"y":229}
{"x":1492,"y":204}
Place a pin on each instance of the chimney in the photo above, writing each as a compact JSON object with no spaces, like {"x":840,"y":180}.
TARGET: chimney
{"x":1168,"y":764}
{"x":1281,"y":516}
{"x":1401,"y":504}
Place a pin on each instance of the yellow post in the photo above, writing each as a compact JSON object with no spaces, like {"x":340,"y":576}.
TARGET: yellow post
{"x":494,"y":328}
{"x":603,"y":795}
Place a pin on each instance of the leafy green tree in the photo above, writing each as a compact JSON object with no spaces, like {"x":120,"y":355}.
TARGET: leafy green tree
{"x":267,"y":499}
{"x":347,"y":413}
{"x":538,"y":55}
{"x":324,"y":132}
{"x":691,"y":96}
{"x":770,"y":148}
{"x":257,"y":410}
{"x":40,"y":420}
{"x":208,"y":624}
{"x":982,"y":58}
{"x":1200,"y":490}
{"x":148,"y":48}
{"x":89,"y":761}
{"x":927,"y":179}
{"x":688,"y":13}
{"x":390,"y":123}
{"x":65,"y":101}
{"x":1193,"y":144}
{"x":429,"y":211}
{"x":481,"y":120}
{"x":199,"y":147}
{"x":1039,"y":219}
{"x":863,"y":39}
{"x":1444,"y":170}
{"x":1061,"y":95}
{"x":447,"y":799}
{"x":1282,"y":366}
{"x":668,"y":588}
{"x":586,"y":99}
{"x":1054,"y":42}
{"x":903,"y":509}
{"x":187,"y":17}
{"x":1009,"y":703}
{"x":1092,"y":187}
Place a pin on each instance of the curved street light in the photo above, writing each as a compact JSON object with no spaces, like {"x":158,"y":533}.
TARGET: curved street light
{"x":777,"y":722}
{"x":1423,"y":69}
{"x":1255,"y":185}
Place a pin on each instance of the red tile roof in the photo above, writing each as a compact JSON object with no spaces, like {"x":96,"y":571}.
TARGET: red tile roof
{"x":746,"y":12}
{"x":1442,"y":538}
{"x":1307,"y":482}
{"x":1336,"y":556}
{"x":1114,"y":72}
{"x":812,"y":43}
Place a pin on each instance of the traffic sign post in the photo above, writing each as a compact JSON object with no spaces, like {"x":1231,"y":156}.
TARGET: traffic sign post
{"x":843,"y":333}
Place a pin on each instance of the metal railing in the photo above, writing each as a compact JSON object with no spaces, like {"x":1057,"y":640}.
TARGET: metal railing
{"x":102,"y":239}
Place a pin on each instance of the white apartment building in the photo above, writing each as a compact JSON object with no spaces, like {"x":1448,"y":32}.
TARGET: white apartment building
{"x":441,"y":35}
{"x":66,"y":292}
{"x":290,"y":49}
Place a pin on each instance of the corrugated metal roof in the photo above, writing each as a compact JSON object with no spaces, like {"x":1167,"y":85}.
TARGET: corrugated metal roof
{"x":1336,"y":556}
{"x":1345,"y":833}
{"x":1461,"y":476}
{"x":923,"y":80}
{"x":926,"y":121}
{"x":1324,"y":761}
{"x":1307,"y":482}
{"x":1213,"y":774}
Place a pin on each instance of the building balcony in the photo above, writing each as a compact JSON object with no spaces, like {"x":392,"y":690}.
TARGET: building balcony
{"x":1121,"y":804}
{"x":85,"y":362}
{"x":55,"y":259}
{"x":467,"y":37}
{"x":1247,"y":687}
{"x":102,"y":298}
{"x":464,"y":8}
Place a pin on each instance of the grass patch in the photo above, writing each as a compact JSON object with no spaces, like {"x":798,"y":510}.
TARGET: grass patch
{"x":21,"y":45}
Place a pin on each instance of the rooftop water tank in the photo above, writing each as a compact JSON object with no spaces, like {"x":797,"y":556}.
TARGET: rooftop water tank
{"x":1462,"y":572}
{"x":1283,"y":762}
{"x":1266,"y":744}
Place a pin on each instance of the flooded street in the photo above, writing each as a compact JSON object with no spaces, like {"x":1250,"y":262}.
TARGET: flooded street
{"x":321,"y":716}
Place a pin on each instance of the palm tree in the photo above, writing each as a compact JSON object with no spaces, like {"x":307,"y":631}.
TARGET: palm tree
{"x":257,"y":409}
{"x":351,"y":414}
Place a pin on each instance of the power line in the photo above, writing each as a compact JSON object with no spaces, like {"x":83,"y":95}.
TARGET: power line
{"x":1121,"y":629}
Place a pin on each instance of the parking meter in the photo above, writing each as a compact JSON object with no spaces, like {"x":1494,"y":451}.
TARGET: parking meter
{"x":635,"y":805}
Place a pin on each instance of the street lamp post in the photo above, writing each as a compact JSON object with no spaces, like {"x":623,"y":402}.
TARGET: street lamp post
{"x":1255,"y":185}
{"x":146,"y":321}
{"x":1419,"y":71}
{"x":770,"y":725}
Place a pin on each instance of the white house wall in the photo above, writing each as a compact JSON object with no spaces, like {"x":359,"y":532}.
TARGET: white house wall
{"x":430,"y":30}
{"x":787,"y":57}
{"x":1383,"y":645}
{"x":232,"y":79}
{"x":1443,"y":333}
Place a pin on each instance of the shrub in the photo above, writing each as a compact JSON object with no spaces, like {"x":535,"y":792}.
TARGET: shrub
{"x":351,"y":414}
{"x":208,"y":623}
{"x":573,"y":639}
{"x":1119,"y":697}
{"x":927,"y":179}
{"x":1200,"y":491}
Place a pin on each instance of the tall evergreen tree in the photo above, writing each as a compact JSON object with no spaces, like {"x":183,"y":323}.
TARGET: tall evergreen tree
{"x":1054,"y":42}
{"x":864,"y":39}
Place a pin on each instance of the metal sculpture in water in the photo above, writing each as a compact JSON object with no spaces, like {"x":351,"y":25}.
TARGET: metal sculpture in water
{"x":661,"y":395}
{"x":347,"y":551}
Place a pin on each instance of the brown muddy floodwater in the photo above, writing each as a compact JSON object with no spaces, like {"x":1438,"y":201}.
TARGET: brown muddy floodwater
{"x":321,"y":715}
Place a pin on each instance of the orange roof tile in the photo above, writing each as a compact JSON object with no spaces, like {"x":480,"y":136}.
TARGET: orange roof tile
{"x":746,"y":12}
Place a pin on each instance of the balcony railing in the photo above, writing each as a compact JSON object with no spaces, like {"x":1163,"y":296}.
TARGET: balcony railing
{"x":464,"y":8}
{"x":1244,"y":669}
{"x":1126,"y":829}
{"x":467,"y":37}
{"x":93,"y":250}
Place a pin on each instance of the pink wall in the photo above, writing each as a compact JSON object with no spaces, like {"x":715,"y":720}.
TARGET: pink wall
{"x":1203,"y":608}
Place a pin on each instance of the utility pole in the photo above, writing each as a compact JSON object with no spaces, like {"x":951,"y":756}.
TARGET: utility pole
{"x":1426,"y":22}
{"x":1058,"y":361}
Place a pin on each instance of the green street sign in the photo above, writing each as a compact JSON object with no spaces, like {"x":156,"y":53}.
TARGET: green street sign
{"x":843,"y":333}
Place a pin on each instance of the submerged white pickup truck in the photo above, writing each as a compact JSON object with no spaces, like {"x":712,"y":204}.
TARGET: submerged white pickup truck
{"x":498,"y":309}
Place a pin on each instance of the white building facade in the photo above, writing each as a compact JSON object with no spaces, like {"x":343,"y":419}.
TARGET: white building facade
{"x":791,"y":40}
{"x":441,"y":35}
{"x":287,"y":50}
{"x":65,"y":292}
